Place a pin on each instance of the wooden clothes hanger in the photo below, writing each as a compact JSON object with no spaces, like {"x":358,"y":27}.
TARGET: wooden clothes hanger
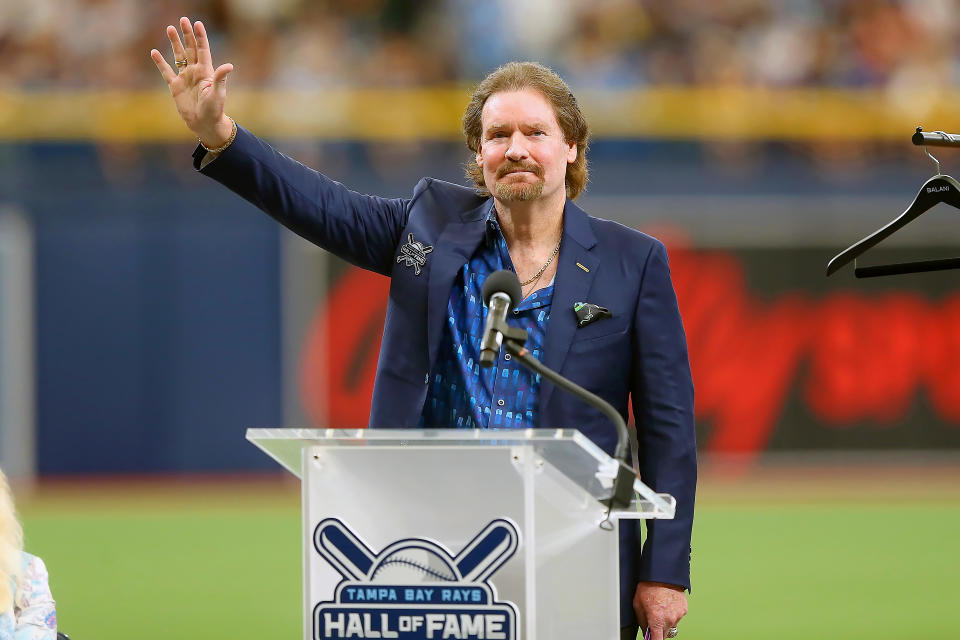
{"x":939,"y":188}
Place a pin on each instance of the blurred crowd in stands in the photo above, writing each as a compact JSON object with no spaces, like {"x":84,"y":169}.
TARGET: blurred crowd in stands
{"x":899,"y":46}
{"x":593,"y":43}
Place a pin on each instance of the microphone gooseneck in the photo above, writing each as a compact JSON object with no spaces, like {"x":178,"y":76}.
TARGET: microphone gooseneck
{"x":501,"y":290}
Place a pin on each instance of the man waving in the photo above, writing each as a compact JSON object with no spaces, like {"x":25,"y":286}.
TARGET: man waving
{"x":598,"y":303}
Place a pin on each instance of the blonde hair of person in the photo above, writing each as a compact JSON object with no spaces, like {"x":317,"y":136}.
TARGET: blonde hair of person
{"x":11,"y":544}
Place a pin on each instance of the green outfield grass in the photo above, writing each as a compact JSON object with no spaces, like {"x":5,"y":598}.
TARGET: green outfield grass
{"x":222,"y":560}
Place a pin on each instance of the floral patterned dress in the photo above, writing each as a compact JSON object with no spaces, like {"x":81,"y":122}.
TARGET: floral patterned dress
{"x":34,"y":615}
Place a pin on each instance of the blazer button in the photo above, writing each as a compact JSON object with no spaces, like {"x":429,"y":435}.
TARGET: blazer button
{"x":426,"y":378}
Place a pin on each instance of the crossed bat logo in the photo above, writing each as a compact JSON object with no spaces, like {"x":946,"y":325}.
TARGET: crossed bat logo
{"x":415,"y":559}
{"x":415,"y":588}
{"x":414,"y":254}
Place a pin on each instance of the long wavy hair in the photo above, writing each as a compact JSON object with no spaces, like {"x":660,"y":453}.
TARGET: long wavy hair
{"x":515,"y":76}
{"x":11,"y":544}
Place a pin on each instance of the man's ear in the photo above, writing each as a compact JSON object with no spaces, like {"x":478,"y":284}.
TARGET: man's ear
{"x":571,"y":152}
{"x":479,"y":157}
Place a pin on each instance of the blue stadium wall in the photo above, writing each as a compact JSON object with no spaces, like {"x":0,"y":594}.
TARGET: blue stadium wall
{"x":157,"y":318}
{"x":158,"y":293}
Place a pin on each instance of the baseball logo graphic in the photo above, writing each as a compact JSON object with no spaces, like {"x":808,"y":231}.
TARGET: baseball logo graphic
{"x":411,"y":563}
{"x":415,"y":588}
{"x":414,"y":254}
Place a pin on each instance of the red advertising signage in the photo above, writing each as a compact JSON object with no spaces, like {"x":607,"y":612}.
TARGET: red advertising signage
{"x":782,"y":357}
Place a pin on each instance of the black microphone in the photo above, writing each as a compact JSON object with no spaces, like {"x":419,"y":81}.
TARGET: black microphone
{"x":501,"y":290}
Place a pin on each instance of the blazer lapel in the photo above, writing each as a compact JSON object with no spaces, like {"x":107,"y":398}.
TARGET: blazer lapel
{"x":452,"y":249}
{"x":575,"y":272}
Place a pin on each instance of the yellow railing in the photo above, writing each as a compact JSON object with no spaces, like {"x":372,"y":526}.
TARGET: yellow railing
{"x":434,"y":113}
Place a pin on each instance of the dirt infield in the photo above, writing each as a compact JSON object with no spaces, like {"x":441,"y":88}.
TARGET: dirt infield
{"x":847,"y":477}
{"x":794,"y":478}
{"x":178,"y":491}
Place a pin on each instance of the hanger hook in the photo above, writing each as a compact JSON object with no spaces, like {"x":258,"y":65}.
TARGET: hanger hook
{"x":935,"y":161}
{"x":945,"y":136}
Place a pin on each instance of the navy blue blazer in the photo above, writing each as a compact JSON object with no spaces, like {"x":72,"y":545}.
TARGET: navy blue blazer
{"x":639,"y":354}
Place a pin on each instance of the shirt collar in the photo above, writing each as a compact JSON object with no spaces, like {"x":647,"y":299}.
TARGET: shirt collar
{"x":494,"y":232}
{"x":492,"y":211}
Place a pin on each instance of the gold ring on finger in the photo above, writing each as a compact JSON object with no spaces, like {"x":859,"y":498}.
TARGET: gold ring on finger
{"x":181,"y":64}
{"x":672,"y":632}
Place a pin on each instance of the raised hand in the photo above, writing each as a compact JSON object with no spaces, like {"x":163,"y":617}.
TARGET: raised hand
{"x":199,"y":91}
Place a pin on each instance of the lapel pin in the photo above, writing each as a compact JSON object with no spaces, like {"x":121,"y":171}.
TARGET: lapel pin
{"x":414,"y":254}
{"x":583,"y":267}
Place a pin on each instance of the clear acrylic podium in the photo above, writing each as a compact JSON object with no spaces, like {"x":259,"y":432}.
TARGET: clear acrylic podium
{"x":448,"y":533}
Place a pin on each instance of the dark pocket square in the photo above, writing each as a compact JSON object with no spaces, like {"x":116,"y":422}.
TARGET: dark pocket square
{"x":587,"y":313}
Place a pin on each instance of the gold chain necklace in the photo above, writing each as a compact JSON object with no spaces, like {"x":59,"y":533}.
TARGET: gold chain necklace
{"x":544,"y":267}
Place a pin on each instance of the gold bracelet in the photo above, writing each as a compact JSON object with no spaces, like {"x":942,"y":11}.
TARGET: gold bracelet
{"x":221,"y":149}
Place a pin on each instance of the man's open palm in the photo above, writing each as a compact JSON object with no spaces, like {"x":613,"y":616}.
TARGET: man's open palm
{"x":199,"y":91}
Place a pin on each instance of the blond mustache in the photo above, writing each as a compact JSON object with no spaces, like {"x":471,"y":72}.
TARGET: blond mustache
{"x":534,"y":169}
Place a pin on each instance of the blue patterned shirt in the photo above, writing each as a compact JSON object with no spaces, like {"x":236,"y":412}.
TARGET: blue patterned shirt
{"x":461,"y":393}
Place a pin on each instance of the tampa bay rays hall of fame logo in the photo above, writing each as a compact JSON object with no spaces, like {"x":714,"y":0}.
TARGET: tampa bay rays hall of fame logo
{"x":415,"y":589}
{"x":414,"y":254}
